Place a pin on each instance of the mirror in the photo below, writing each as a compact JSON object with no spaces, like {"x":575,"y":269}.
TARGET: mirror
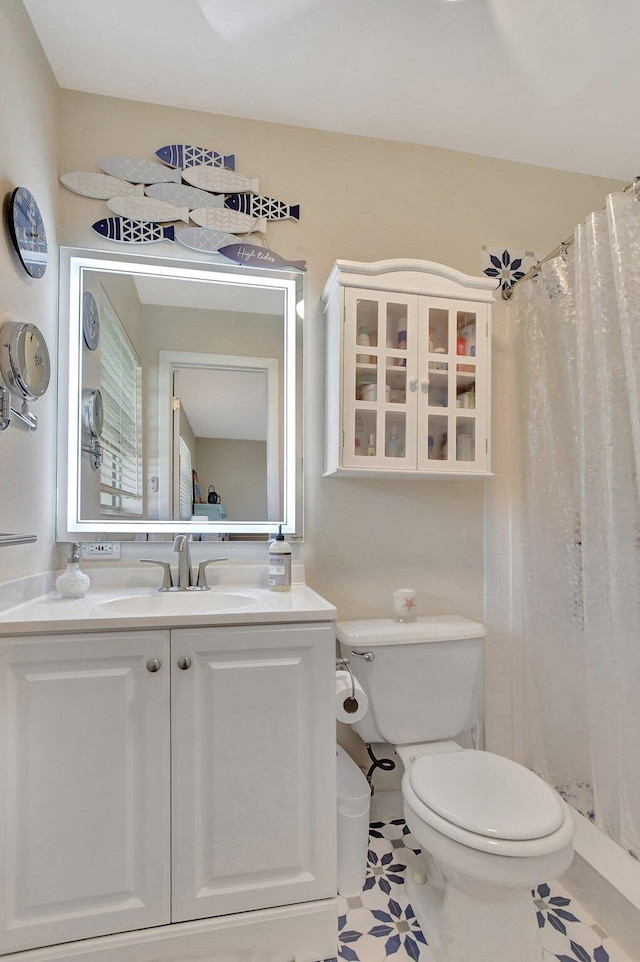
{"x":179,"y":397}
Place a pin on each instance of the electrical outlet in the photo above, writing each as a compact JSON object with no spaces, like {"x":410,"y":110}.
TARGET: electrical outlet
{"x":101,"y":549}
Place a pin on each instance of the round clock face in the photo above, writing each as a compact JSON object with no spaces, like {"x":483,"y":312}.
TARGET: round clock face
{"x":27,"y":232}
{"x":90,"y":321}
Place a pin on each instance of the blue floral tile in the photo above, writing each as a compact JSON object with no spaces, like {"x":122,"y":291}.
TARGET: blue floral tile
{"x":506,"y":266}
{"x":380,"y":925}
{"x":399,"y":927}
{"x":383,"y":872}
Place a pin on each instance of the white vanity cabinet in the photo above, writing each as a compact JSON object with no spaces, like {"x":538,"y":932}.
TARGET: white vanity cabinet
{"x":253,"y":781}
{"x":407,"y":370}
{"x":163,"y":776}
{"x":84,"y":776}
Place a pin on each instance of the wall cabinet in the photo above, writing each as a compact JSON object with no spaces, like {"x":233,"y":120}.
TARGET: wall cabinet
{"x":151,"y":777}
{"x":408,"y":370}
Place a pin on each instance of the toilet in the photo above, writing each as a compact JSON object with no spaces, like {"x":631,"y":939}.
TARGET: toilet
{"x":489,"y":829}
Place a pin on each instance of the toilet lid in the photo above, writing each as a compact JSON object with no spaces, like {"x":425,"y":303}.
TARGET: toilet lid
{"x":487,"y":794}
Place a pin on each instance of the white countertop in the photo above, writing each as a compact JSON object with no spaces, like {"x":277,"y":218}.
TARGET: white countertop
{"x":53,"y":613}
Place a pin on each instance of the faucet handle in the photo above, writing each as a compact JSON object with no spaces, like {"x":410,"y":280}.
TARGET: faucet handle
{"x":167,"y":580}
{"x":202,"y":571}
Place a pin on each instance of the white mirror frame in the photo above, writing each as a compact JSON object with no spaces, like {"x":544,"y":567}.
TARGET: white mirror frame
{"x":73,"y":262}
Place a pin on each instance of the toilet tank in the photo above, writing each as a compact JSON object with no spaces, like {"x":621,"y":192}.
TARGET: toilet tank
{"x":424,"y":680}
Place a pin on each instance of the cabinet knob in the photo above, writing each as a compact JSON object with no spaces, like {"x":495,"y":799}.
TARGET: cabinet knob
{"x":154,"y":664}
{"x":413,"y":383}
{"x":424,"y":383}
{"x":184,"y":662}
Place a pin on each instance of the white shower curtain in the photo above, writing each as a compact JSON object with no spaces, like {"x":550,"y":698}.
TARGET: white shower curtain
{"x":578,"y":363}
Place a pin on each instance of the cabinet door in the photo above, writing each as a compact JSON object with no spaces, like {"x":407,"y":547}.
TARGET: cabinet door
{"x":379,"y":365}
{"x":84,"y":770}
{"x":253,"y":744}
{"x":453,"y":386}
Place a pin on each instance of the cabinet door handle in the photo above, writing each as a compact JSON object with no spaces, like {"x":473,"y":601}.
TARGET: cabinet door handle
{"x":424,"y":383}
{"x":413,"y":383}
{"x":184,"y":662}
{"x":154,"y":664}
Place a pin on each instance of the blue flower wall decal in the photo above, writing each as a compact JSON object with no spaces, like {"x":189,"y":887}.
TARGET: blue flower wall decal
{"x":505,"y":269}
{"x":506,"y":266}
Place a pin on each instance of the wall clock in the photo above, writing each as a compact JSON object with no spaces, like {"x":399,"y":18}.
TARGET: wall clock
{"x":90,"y":321}
{"x":27,"y":231}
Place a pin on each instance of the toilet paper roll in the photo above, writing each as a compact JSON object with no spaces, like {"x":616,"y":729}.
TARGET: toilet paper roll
{"x":351,"y":705}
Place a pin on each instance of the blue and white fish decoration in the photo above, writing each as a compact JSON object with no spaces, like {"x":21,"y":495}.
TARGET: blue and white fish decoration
{"x":204,"y":240}
{"x":257,"y":206}
{"x":182,"y":196}
{"x":259,"y":257}
{"x":219,"y":218}
{"x":137,"y":170}
{"x":132,"y":231}
{"x":184,"y":155}
{"x":218,"y":180}
{"x":88,"y":183}
{"x":147,"y":209}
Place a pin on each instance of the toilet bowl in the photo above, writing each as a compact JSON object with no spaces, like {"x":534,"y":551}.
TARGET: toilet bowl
{"x":489,"y":829}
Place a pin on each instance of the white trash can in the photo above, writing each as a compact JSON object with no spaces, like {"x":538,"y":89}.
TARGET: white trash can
{"x":354,"y":799}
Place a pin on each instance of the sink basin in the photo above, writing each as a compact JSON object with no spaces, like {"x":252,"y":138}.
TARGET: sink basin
{"x":177,"y":603}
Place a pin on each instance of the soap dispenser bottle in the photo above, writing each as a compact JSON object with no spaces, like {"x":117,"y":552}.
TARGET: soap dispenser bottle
{"x":280,"y":563}
{"x":73,"y":583}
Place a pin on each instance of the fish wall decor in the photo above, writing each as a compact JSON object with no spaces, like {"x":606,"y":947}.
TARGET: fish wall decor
{"x":184,"y":155}
{"x":132,"y":231}
{"x":219,"y":218}
{"x":182,"y":196}
{"x":147,"y":209}
{"x":99,"y":186}
{"x":258,"y":206}
{"x":218,"y":180}
{"x":204,"y":240}
{"x":137,"y":170}
{"x":259,"y":257}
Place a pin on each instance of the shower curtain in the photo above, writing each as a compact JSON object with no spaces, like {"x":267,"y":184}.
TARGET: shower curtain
{"x":578,"y":374}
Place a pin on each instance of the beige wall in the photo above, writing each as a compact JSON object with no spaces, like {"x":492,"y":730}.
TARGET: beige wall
{"x":238,"y":472}
{"x":28,"y":148}
{"x":361,"y":199}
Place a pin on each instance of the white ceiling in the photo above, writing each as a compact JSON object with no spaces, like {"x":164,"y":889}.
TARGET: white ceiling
{"x":224,"y":404}
{"x":549,"y":82}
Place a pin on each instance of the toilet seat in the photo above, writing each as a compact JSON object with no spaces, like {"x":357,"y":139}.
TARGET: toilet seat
{"x":487,"y":794}
{"x":471,"y":797}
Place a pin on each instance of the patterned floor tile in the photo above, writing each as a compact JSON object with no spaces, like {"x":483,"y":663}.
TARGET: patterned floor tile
{"x":380,"y":925}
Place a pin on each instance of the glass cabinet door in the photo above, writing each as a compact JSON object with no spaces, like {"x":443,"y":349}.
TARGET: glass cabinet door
{"x":452,"y":426}
{"x":379,"y":378}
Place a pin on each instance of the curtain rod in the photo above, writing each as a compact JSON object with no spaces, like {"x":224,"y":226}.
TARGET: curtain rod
{"x":561,"y":249}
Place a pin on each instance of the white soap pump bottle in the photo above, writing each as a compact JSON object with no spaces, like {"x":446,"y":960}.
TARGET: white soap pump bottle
{"x":280,"y":563}
{"x":73,"y":583}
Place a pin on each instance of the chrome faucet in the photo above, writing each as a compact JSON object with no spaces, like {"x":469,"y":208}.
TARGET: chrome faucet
{"x":185,"y":575}
{"x":181,"y":545}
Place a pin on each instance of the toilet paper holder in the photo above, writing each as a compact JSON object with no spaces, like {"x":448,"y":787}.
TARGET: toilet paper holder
{"x":344,"y":663}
